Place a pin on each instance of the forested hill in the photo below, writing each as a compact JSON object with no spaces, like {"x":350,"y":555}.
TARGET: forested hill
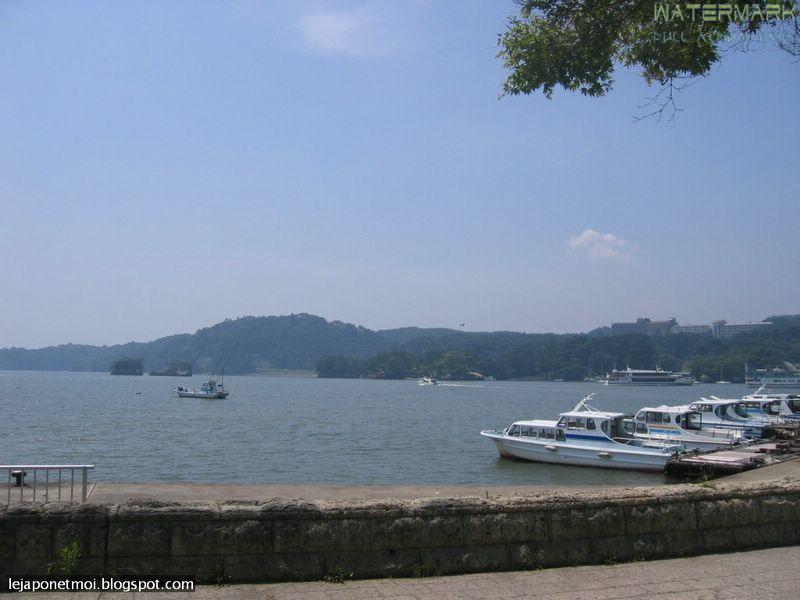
{"x":505,"y":355}
{"x":336,"y":349}
{"x":248,"y":345}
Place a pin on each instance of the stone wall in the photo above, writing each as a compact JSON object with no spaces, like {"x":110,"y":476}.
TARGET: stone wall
{"x":277,"y":540}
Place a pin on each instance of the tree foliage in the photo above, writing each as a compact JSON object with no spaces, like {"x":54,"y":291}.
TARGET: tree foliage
{"x":573,"y":356}
{"x":577,"y":44}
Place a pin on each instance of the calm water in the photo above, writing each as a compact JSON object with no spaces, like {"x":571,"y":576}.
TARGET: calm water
{"x":296,"y":430}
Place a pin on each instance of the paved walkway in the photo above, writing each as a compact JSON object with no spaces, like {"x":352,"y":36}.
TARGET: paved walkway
{"x":757,"y":575}
{"x":117,"y":493}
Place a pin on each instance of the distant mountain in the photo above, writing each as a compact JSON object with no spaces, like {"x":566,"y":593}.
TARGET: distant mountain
{"x":336,"y":349}
{"x":248,"y":345}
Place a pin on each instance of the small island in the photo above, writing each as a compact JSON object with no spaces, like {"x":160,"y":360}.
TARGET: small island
{"x":127,"y":366}
{"x":178,"y":369}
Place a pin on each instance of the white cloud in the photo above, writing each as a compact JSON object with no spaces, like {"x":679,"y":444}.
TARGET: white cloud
{"x":602,"y":246}
{"x":362,"y":31}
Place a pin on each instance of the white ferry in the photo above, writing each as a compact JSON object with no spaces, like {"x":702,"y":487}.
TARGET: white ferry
{"x":681,"y":425}
{"x":647,"y":377}
{"x":788,"y":377}
{"x":427,"y":381}
{"x":583,"y":436}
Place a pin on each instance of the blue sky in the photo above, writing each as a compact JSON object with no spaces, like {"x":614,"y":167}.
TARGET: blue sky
{"x":166,"y":165}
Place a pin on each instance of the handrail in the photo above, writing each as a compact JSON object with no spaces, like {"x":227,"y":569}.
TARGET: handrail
{"x":20,"y":471}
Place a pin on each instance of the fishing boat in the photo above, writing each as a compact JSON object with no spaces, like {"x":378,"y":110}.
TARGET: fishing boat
{"x":681,"y":425}
{"x":427,"y":381}
{"x":583,"y":436}
{"x":213,"y":389}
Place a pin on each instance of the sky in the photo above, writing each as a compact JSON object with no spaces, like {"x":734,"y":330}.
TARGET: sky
{"x":167,"y":165}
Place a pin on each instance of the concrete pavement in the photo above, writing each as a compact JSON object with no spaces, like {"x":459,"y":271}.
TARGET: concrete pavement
{"x":757,"y":575}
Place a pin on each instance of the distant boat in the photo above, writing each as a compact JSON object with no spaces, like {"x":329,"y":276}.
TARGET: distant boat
{"x":773,"y":377}
{"x":213,"y":389}
{"x":655,"y":376}
{"x":427,"y":381}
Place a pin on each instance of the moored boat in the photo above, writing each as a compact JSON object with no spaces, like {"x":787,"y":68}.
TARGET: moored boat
{"x":787,"y":376}
{"x":681,"y":425}
{"x":583,"y":436}
{"x":718,"y":413}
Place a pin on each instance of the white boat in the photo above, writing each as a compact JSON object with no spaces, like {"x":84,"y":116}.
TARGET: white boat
{"x":583,"y":436}
{"x":772,"y":407}
{"x":786,"y":377}
{"x":427,"y":381}
{"x":213,"y":389}
{"x":681,"y":425}
{"x":647,"y":377}
{"x":718,"y":413}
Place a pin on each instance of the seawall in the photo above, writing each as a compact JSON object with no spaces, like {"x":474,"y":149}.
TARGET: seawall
{"x":279,"y":540}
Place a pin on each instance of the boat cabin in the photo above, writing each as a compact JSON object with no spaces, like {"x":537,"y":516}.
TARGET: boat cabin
{"x":592,"y":425}
{"x":667,"y":418}
{"x":724,"y":410}
{"x":542,"y":430}
{"x":780,"y":405}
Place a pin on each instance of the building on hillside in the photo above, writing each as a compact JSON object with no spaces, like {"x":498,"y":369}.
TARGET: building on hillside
{"x":691,"y":329}
{"x":643,"y":326}
{"x":723,"y":329}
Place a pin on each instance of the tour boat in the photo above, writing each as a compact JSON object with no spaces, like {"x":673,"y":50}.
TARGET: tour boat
{"x":771,"y":407}
{"x":788,"y":376}
{"x":680,"y":425}
{"x":728,"y":414}
{"x":647,"y":377}
{"x":583,"y":436}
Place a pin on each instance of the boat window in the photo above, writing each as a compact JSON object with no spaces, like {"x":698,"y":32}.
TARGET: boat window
{"x":604,"y":427}
{"x":534,"y":432}
{"x":641,"y":428}
{"x":752,"y":404}
{"x":628,"y":426}
{"x":572,"y":423}
{"x":514,"y":430}
{"x":590,"y":424}
{"x":653,"y":417}
{"x":525,"y":431}
{"x":640,"y":416}
{"x":740,"y":409}
{"x":561,"y":422}
{"x":543,"y":433}
{"x":773,"y":408}
{"x":794,"y":405}
{"x":694,"y":420}
{"x":666,"y":418}
{"x":561,"y":436}
{"x":549,"y":434}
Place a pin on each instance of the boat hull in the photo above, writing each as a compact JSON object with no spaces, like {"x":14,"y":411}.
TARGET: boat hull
{"x":215,"y":396}
{"x":586,"y":456}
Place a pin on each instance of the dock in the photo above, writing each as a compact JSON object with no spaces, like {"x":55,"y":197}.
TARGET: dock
{"x":719,"y":463}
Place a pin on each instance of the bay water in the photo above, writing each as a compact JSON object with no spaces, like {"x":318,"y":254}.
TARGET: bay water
{"x":294,"y":430}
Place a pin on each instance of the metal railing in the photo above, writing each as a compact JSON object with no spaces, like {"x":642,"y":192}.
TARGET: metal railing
{"x":60,"y":487}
